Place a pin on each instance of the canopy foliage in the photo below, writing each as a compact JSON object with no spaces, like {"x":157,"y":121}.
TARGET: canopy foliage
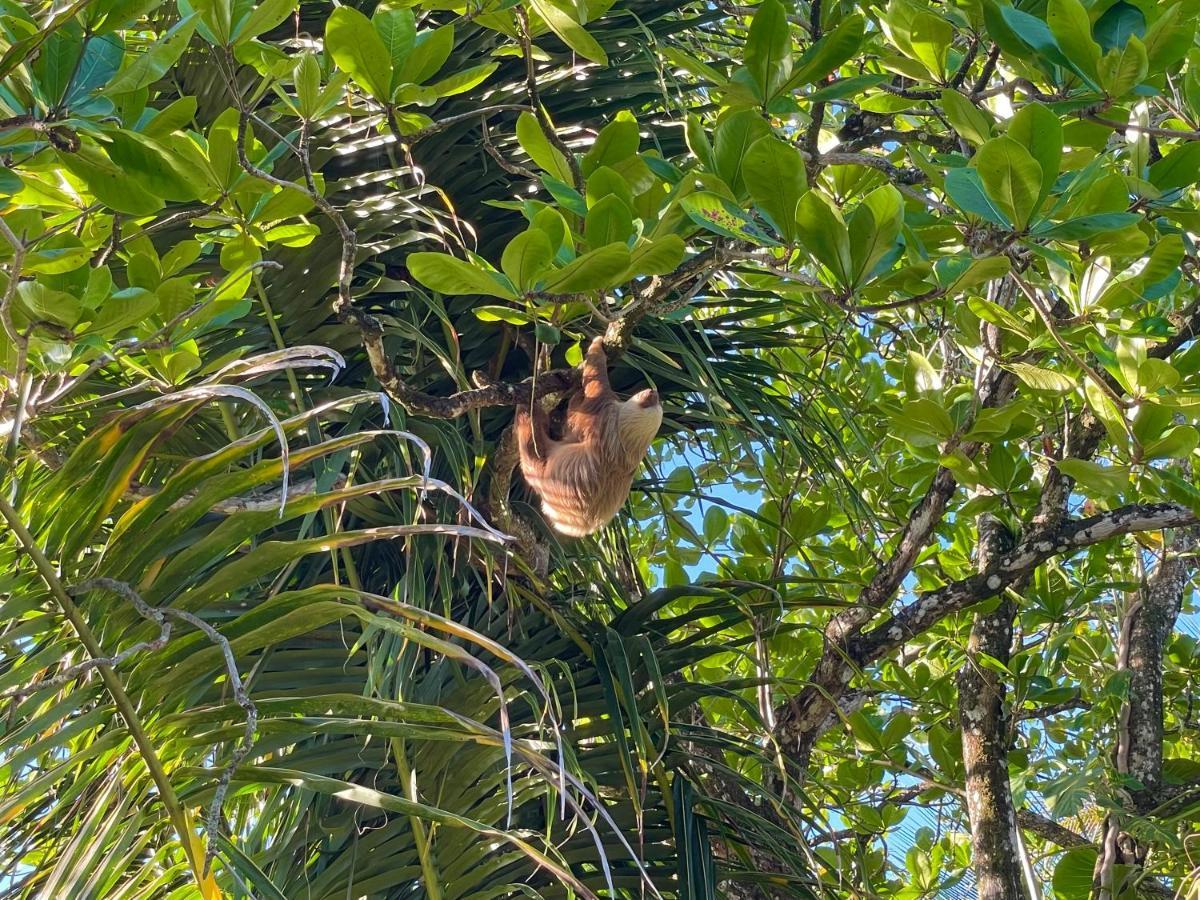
{"x":900,"y":604}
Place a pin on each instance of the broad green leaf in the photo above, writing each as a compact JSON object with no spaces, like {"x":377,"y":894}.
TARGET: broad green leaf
{"x":112,"y":186}
{"x":463,"y":81}
{"x":264,"y":16}
{"x":1011,"y":177}
{"x":1041,"y":379}
{"x":824,"y":235}
{"x":1120,"y":71}
{"x":526,"y":256}
{"x":735,"y":135}
{"x":774,"y":175}
{"x":569,"y":31}
{"x":660,"y":256}
{"x":1039,"y":131}
{"x":927,"y":414}
{"x":959,"y":274}
{"x":502,"y":314}
{"x":698,"y":142}
{"x":717,"y":214}
{"x":1120,"y":22}
{"x":1177,"y":443}
{"x":356,"y":47}
{"x":397,"y":30}
{"x":966,"y":118}
{"x":964,"y":187}
{"x":41,"y":304}
{"x":547,"y":157}
{"x":156,"y":168}
{"x":1104,"y":480}
{"x":1177,"y":169}
{"x":768,"y":51}
{"x":430,"y":51}
{"x":919,"y":35}
{"x":1071,"y":26}
{"x":122,"y":310}
{"x":451,"y":276}
{"x":828,"y":52}
{"x":1074,"y":874}
{"x":617,"y":141}
{"x":150,"y":65}
{"x":873,"y":228}
{"x":608,"y":221}
{"x":597,"y":270}
{"x":1086,"y":226}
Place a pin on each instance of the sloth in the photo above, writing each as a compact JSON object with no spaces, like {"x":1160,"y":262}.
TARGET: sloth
{"x":584,"y":478}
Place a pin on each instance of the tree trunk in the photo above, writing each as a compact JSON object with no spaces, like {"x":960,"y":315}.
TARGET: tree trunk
{"x":994,"y":840}
{"x":1145,"y":629}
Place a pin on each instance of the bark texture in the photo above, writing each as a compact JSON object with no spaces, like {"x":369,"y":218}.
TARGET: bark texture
{"x":981,"y":690}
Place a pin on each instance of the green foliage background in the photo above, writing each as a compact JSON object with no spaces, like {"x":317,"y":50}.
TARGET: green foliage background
{"x":265,"y":264}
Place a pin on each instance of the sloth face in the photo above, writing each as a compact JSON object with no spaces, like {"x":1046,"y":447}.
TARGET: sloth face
{"x":638,"y":420}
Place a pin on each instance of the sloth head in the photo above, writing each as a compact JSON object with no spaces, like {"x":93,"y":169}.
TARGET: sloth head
{"x":638,"y":420}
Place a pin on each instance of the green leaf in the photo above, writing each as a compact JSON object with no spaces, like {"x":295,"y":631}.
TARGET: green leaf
{"x":1073,"y":874}
{"x":159,"y":170}
{"x":997,"y":315}
{"x":1177,"y":169}
{"x":151,"y":64}
{"x":112,"y":186}
{"x":569,"y":31}
{"x":429,"y":53}
{"x":1039,"y":131}
{"x":1011,"y":177}
{"x":526,"y":256}
{"x":824,"y":235}
{"x":698,"y":142}
{"x":919,"y":35}
{"x":1104,"y":480}
{"x":616,"y":142}
{"x":265,"y":15}
{"x":356,"y":47}
{"x":957,"y":274}
{"x":1177,"y":443}
{"x":828,"y":52}
{"x":122,"y":310}
{"x":768,"y":50}
{"x":608,"y":221}
{"x":501,"y":314}
{"x":774,"y":175}
{"x":964,"y":187}
{"x":966,"y":118}
{"x":929,"y":416}
{"x":464,"y":80}
{"x":1120,"y":22}
{"x":718,"y":215}
{"x":449,"y":275}
{"x":597,"y":270}
{"x":660,"y":256}
{"x":1071,"y":26}
{"x":1040,"y":379}
{"x":1120,"y":71}
{"x":736,"y":133}
{"x":397,"y":30}
{"x":544,"y":154}
{"x":1085,"y":226}
{"x":40,"y":303}
{"x":873,"y":229}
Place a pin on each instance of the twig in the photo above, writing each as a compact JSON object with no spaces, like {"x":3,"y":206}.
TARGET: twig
{"x":535,"y":99}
